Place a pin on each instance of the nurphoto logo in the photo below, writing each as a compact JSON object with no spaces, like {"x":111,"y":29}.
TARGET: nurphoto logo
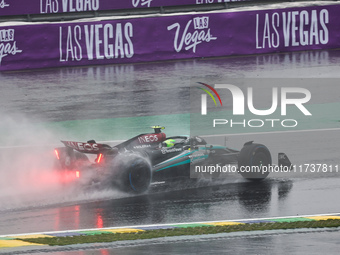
{"x":239,"y":107}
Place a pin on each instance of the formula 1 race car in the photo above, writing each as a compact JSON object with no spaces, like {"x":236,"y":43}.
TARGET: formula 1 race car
{"x":134,"y":164}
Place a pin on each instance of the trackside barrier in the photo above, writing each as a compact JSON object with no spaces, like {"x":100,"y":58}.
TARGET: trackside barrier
{"x":20,"y":7}
{"x":168,"y":37}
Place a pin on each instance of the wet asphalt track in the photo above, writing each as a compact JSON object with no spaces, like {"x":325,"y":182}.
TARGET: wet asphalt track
{"x":160,"y":89}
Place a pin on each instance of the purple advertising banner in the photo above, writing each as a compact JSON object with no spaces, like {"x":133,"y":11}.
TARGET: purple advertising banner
{"x":169,"y":37}
{"x":20,"y":7}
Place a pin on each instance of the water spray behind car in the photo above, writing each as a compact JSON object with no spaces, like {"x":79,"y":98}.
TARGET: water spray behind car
{"x":26,"y":179}
{"x":27,"y":167}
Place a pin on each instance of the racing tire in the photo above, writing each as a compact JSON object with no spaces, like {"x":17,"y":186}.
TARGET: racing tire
{"x":254,"y":161}
{"x":136,"y":176}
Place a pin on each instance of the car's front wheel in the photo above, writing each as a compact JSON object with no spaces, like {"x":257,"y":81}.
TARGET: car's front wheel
{"x":254,"y":161}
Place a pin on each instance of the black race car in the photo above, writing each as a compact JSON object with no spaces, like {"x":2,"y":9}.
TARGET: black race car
{"x":134,"y":164}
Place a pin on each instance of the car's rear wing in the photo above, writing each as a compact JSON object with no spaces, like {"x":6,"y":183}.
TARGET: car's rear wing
{"x":90,"y":147}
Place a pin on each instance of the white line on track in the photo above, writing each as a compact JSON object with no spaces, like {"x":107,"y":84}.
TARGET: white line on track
{"x":167,"y":224}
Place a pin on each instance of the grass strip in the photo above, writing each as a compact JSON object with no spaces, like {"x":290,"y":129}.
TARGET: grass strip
{"x":149,"y":234}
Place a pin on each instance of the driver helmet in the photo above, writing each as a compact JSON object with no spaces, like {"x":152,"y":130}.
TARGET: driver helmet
{"x":169,"y":142}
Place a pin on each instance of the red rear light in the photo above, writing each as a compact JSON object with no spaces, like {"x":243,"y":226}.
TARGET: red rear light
{"x":77,"y":174}
{"x":99,"y":158}
{"x":57,"y":154}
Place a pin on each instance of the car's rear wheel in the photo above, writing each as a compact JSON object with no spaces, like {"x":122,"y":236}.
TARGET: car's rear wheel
{"x":254,"y":161}
{"x":135,"y":175}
